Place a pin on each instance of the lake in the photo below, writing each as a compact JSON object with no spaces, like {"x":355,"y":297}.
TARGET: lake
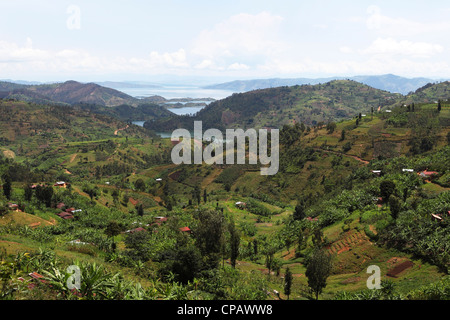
{"x":177,"y":92}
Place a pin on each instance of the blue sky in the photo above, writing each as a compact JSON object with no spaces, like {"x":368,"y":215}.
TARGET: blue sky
{"x":56,"y":40}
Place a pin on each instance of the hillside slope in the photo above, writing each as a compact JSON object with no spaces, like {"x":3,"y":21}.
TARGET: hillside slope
{"x":275,"y":107}
{"x":75,"y":92}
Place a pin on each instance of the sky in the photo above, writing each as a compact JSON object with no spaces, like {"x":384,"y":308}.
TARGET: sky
{"x":212,"y":41}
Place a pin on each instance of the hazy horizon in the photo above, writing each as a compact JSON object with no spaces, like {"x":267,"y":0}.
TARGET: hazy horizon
{"x":53,"y":41}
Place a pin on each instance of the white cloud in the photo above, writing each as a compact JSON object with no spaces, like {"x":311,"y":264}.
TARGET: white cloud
{"x":345,"y":49}
{"x":18,"y":58}
{"x":399,"y":26}
{"x":205,"y":64}
{"x":390,"y":46}
{"x":242,"y":35}
{"x":12,"y":52}
{"x":175,"y":59}
{"x":238,"y":66}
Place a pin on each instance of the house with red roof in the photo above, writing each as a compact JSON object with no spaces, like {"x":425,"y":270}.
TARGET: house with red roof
{"x":65,"y":215}
{"x":186,"y":229}
{"x":427,"y":174}
{"x":139,"y":229}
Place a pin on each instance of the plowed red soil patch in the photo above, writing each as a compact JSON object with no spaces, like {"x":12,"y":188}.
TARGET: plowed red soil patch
{"x":400,"y":268}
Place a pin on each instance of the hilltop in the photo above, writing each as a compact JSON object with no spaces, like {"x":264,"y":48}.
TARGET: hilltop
{"x":75,"y":92}
{"x":387,"y":82}
{"x":89,"y":96}
{"x":275,"y":107}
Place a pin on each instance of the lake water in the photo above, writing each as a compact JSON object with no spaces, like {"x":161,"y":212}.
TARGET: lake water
{"x":177,"y":92}
{"x":185,"y":110}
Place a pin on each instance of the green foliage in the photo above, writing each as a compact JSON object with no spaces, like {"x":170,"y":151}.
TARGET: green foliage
{"x":257,"y":208}
{"x":317,"y":271}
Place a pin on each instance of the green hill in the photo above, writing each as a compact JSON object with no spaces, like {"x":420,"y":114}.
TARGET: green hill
{"x":275,"y":107}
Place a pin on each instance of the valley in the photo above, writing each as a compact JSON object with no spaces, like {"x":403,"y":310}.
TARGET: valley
{"x":141,"y":227}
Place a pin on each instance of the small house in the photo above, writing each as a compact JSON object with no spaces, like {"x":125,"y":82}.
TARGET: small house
{"x":65,"y":215}
{"x":37,"y":276}
{"x":159,"y":221}
{"x":428,"y":174}
{"x":376,"y":172}
{"x":186,"y":229}
{"x":62,"y":184}
{"x":13,"y":206}
{"x":408,"y":170}
{"x":436,"y":217}
{"x":60,"y":205}
{"x":240,"y":204}
{"x":139,"y":229}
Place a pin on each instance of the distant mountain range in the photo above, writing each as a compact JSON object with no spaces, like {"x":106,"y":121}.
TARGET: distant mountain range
{"x":388,"y":82}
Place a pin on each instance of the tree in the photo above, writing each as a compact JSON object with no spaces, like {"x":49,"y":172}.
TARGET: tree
{"x":287,"y":282}
{"x":139,"y":184}
{"x":255,"y":247}
{"x":299,"y":212}
{"x":113,"y":229}
{"x":209,"y":236}
{"x":139,"y":245}
{"x":7,"y":186}
{"x":197,"y":194}
{"x":269,"y":260}
{"x":317,"y":271}
{"x":439,"y":106}
{"x":331,"y":126}
{"x":125,"y":199}
{"x":44,"y":194}
{"x":205,"y":196}
{"x":395,"y":206}
{"x":185,"y":261}
{"x":140,"y":210}
{"x":387,"y":188}
{"x":342,"y":135}
{"x":115,"y":195}
{"x":3,"y":208}
{"x":28,"y":192}
{"x":235,"y":239}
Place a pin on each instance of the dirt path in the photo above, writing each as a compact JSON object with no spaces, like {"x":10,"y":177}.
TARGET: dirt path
{"x":343,"y":154}
{"x":117,"y":131}
{"x":73,"y":157}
